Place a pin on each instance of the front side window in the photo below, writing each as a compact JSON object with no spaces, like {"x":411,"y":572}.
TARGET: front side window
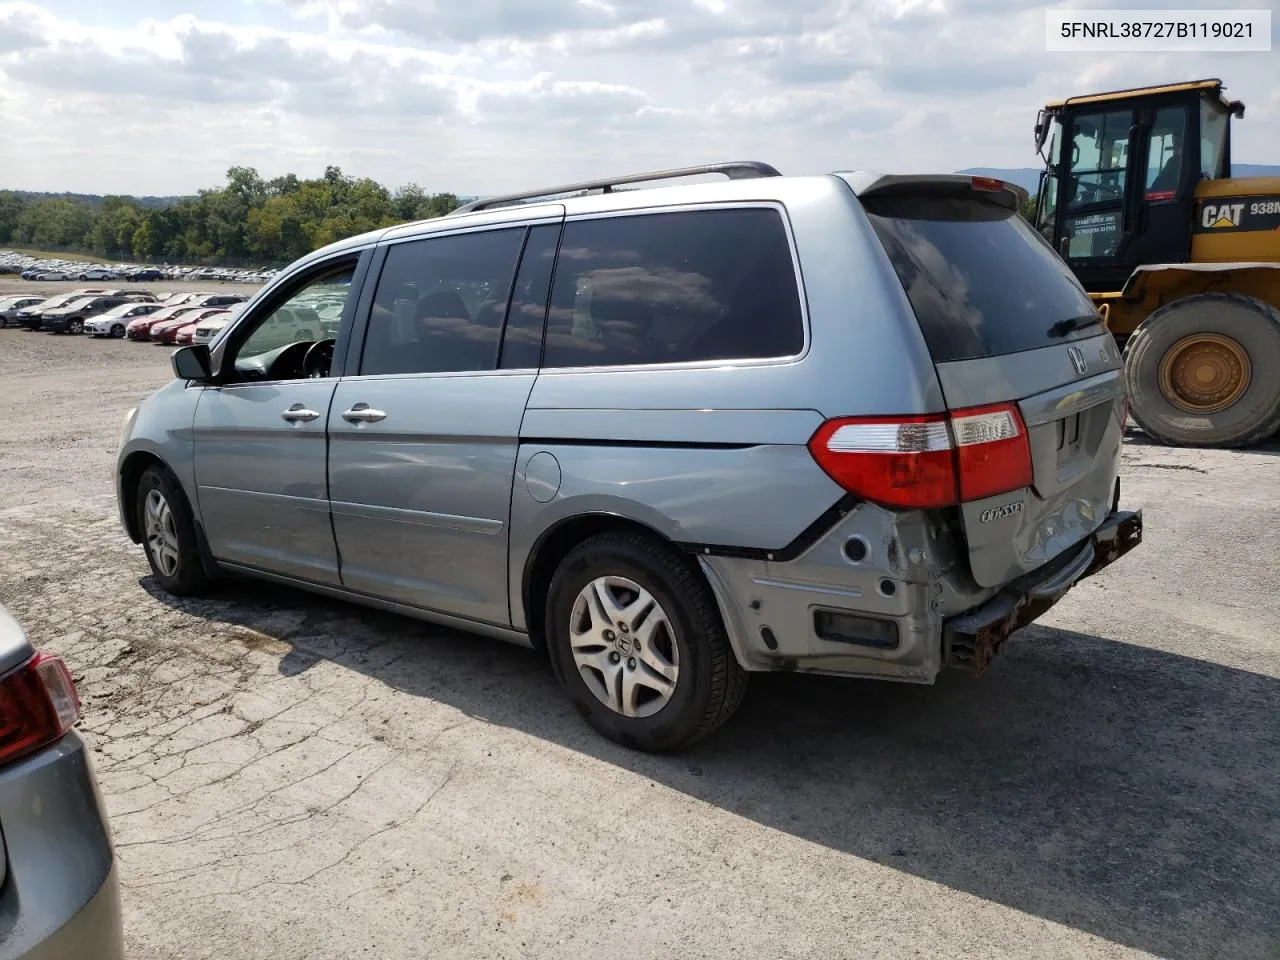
{"x":441,"y":302}
{"x":1164,"y":154}
{"x":690,"y":286}
{"x":296,"y":320}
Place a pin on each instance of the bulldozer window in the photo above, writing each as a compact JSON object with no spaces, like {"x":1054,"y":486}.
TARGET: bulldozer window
{"x":1047,"y":201}
{"x":1213,"y":139}
{"x":1099,"y":152}
{"x":1164,"y":155}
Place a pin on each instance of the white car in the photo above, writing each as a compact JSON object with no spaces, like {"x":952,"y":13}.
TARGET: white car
{"x":114,"y":322}
{"x":52,"y":275}
{"x":98,"y":273}
{"x":209,"y":328}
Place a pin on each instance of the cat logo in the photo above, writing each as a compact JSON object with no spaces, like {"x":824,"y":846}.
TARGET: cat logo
{"x":1216,"y":217}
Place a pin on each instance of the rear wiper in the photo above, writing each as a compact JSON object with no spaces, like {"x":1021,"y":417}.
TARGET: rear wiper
{"x":1071,"y":325}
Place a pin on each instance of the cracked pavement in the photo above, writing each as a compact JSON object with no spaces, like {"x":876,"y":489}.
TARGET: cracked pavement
{"x":291,"y":777}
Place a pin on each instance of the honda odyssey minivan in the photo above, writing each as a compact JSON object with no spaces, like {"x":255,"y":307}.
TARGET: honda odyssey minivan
{"x":855,"y":424}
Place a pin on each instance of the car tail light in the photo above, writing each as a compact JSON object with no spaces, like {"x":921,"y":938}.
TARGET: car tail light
{"x":993,"y":453}
{"x":930,"y":461}
{"x":988,"y":184}
{"x":38,"y":704}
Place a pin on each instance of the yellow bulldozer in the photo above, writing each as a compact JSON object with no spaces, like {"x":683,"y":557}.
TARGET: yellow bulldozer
{"x":1181,"y":259}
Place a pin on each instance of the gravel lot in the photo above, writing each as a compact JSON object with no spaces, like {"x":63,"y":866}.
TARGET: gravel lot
{"x":290,"y":777}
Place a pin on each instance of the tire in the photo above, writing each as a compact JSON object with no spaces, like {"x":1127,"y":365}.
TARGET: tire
{"x":709,"y":684}
{"x":185,"y":577}
{"x":1252,"y":326}
{"x":76,"y":326}
{"x":117,"y":331}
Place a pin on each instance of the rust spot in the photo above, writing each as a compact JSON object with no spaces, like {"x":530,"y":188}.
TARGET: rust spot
{"x":975,"y":649}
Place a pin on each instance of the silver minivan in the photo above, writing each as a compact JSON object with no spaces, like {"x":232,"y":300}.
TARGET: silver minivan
{"x":59,"y":888}
{"x":853,"y":424}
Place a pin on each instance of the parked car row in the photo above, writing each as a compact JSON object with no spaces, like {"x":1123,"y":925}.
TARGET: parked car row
{"x":48,"y":269}
{"x":139,"y":315}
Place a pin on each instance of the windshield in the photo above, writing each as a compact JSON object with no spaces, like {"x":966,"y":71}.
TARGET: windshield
{"x":982,"y":283}
{"x":78,"y":304}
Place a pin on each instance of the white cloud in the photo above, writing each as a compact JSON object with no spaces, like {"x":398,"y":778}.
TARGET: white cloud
{"x":487,"y":95}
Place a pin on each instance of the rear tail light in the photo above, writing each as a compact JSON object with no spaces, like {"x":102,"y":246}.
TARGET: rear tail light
{"x":927,"y":462}
{"x":993,"y":454}
{"x":988,"y":184}
{"x":38,"y":704}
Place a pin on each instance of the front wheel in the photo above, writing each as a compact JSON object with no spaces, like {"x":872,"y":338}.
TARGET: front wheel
{"x":169,"y":533}
{"x":637,"y":642}
{"x":1205,"y":371}
{"x":76,"y":326}
{"x":117,"y":330}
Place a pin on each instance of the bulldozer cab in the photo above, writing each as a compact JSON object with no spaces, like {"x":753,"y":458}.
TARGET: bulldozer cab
{"x":1121,"y":171}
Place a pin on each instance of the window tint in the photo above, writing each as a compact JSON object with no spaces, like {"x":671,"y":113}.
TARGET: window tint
{"x":674,"y":287}
{"x":522,"y":340}
{"x":440,"y":304}
{"x":1164,"y":156}
{"x":296,"y":319}
{"x":981,"y":281}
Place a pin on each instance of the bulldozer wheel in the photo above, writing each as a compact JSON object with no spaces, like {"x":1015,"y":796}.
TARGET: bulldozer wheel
{"x":1204,"y":371}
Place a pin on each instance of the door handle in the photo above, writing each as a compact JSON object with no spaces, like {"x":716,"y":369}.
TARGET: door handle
{"x":363,"y":413}
{"x":298,"y":413}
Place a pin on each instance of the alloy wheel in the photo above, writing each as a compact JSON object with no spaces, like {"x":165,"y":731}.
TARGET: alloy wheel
{"x":162,"y":535}
{"x":624,"y":646}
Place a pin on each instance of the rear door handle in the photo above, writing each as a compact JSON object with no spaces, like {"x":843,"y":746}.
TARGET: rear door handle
{"x":363,"y":413}
{"x":298,"y":413}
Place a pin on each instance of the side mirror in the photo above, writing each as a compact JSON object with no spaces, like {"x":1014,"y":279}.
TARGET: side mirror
{"x":192,"y":363}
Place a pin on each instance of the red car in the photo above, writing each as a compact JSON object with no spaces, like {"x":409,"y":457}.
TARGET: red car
{"x":140,"y":329}
{"x":186,"y":335}
{"x":167,"y":331}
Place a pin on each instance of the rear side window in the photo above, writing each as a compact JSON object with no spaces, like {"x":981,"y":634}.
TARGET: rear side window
{"x":674,"y":287}
{"x":441,"y":302}
{"x":981,"y":282}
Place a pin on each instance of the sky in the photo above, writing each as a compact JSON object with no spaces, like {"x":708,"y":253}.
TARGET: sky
{"x":149,"y":97}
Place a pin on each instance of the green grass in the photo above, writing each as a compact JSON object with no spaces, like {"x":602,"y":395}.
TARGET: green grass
{"x":55,"y":255}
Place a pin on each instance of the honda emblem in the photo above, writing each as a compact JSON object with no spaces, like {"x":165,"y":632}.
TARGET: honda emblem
{"x":1077,"y":360}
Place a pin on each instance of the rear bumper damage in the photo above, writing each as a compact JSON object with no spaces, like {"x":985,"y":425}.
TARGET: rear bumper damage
{"x":971,"y":640}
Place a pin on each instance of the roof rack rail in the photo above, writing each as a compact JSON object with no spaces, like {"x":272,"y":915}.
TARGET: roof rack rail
{"x":740,"y":170}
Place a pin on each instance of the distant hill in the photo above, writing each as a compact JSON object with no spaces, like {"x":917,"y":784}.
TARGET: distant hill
{"x":1029,"y":177}
{"x":150,"y":203}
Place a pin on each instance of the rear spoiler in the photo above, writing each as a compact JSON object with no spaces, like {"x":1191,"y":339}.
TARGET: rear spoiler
{"x":941,"y":185}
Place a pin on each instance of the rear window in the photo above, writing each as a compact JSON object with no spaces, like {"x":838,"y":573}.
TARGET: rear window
{"x":981,"y":281}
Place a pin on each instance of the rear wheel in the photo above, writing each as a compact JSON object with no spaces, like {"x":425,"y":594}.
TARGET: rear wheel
{"x":636,"y":639}
{"x":1205,"y":371}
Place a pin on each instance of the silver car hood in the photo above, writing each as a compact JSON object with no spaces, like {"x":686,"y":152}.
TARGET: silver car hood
{"x":14,"y":648}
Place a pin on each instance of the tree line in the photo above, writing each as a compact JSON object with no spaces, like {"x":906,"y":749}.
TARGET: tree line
{"x":248,"y":221}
